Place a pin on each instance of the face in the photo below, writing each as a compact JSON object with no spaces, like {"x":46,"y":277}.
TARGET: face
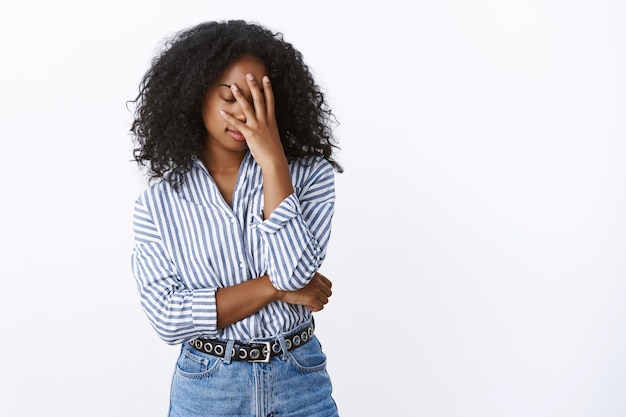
{"x":222,"y":137}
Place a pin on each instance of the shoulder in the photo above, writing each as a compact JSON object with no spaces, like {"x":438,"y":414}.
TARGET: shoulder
{"x":311,"y":167}
{"x":313,"y":175}
{"x":164,"y":195}
{"x":155,"y":194}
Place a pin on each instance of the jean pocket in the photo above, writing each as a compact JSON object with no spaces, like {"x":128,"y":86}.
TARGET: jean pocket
{"x":309,"y":357}
{"x":194,"y":364}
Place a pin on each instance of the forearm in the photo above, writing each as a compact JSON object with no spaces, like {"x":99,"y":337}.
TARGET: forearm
{"x":277,"y":184}
{"x":242,"y":300}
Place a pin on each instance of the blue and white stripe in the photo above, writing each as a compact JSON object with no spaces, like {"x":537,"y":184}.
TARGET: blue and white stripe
{"x":191,"y":242}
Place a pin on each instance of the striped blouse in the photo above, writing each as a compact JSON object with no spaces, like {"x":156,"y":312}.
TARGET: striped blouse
{"x":191,"y":242}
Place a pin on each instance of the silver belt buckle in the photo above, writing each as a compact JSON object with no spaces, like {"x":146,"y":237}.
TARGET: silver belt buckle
{"x":267,"y":348}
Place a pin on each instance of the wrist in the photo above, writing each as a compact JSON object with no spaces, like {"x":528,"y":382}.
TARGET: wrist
{"x":277,"y":164}
{"x":274,"y":294}
{"x":280,"y":295}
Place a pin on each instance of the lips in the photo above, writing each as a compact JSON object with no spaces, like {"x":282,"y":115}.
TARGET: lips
{"x":237,"y":135}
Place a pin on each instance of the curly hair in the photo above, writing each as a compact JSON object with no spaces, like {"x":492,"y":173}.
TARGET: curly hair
{"x":168,"y":128}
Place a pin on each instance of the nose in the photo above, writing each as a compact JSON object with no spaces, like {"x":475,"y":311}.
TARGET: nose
{"x":237,"y":112}
{"x":238,"y":109}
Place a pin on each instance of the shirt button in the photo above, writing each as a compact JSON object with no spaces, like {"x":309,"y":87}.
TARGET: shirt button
{"x":233,"y":220}
{"x":242,"y":265}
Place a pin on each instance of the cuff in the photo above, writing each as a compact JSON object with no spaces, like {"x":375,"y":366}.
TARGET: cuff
{"x":204,"y":310}
{"x":285,"y":212}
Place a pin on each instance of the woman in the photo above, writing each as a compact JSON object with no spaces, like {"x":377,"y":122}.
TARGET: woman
{"x":230,"y":236}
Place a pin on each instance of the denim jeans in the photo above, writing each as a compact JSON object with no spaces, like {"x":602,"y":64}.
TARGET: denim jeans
{"x":294,"y":384}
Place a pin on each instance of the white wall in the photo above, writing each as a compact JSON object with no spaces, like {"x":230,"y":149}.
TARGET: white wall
{"x":479,"y":231}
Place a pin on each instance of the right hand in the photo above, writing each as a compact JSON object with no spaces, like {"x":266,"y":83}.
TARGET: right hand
{"x":314,"y":296}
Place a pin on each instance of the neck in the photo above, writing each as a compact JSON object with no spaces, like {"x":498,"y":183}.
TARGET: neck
{"x":217,"y":161}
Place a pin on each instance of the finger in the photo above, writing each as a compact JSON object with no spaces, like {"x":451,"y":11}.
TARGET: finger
{"x":326,"y":281}
{"x":269,"y":97}
{"x":248,"y":111}
{"x":236,"y":123}
{"x":257,"y":97}
{"x":316,"y":307}
{"x":323,"y":299}
{"x":321,"y":278}
{"x":327,"y":292}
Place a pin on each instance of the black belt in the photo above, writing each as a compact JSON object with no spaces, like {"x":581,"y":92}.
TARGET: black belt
{"x":255,"y":351}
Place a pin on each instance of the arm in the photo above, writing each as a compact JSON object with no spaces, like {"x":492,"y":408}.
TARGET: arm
{"x":176,"y":312}
{"x":294,"y":228}
{"x":263,"y":139}
{"x":296,"y":235}
{"x":242,"y":300}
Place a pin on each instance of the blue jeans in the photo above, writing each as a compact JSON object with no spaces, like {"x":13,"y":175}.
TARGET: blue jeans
{"x":294,"y":384}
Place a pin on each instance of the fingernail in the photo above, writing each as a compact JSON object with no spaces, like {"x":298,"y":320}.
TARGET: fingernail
{"x":222,"y":112}
{"x":250,"y":77}
{"x":234,"y":87}
{"x":266,"y":79}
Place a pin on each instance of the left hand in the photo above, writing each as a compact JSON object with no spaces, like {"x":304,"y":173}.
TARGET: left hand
{"x":260,"y":128}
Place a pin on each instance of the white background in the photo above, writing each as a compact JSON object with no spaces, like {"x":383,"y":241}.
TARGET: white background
{"x":480,"y":232}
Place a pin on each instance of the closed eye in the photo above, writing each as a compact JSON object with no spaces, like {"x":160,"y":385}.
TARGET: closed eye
{"x":227,"y":96}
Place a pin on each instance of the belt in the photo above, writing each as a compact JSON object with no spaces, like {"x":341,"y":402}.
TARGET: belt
{"x":255,"y":351}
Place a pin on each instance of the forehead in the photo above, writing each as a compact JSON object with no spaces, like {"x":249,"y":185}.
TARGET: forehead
{"x":236,"y":72}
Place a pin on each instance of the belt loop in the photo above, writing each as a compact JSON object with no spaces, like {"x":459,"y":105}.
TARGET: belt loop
{"x":229,"y":351}
{"x":283,"y":346}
